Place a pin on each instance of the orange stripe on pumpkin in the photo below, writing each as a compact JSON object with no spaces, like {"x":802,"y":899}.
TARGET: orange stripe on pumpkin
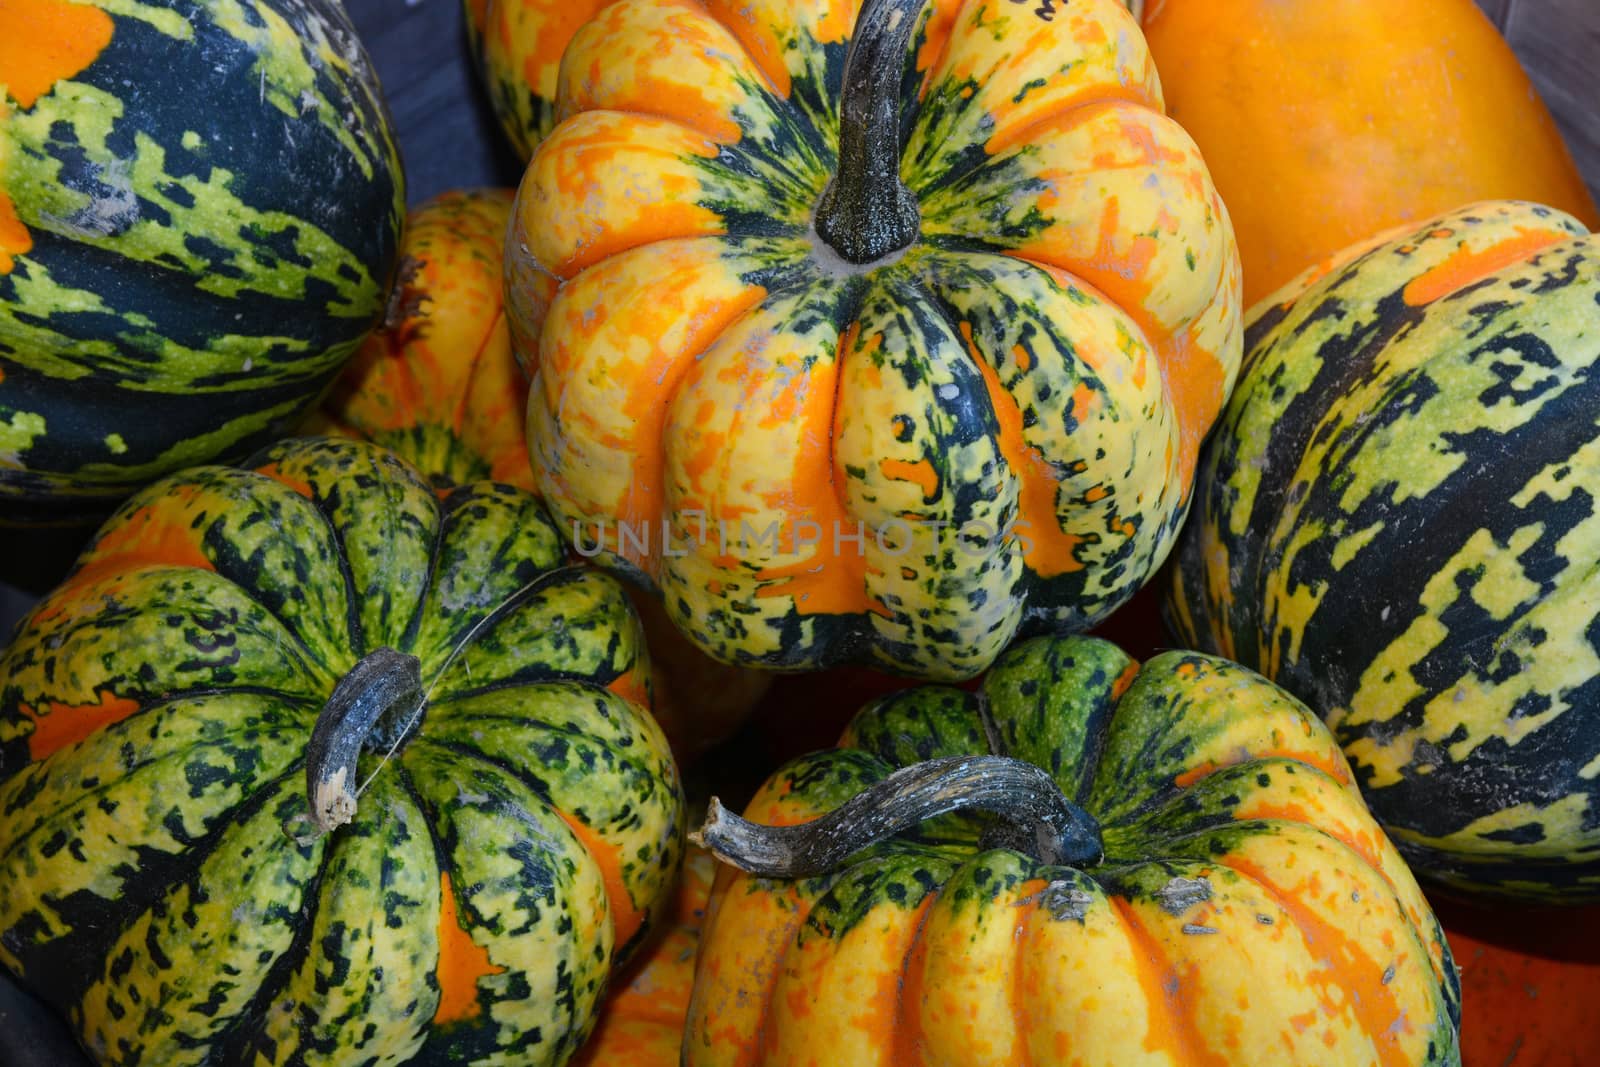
{"x":44,"y":41}
{"x":462,"y":961}
{"x":625,"y":918}
{"x":1051,"y":550}
{"x":1355,"y":974}
{"x":632,"y":685}
{"x":1173,"y":1028}
{"x":67,"y":724}
{"x":1466,"y":265}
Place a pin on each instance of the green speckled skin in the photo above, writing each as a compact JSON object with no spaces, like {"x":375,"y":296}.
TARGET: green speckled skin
{"x":1247,"y":908}
{"x":1396,"y":520}
{"x":210,"y":214}
{"x":157,"y":883}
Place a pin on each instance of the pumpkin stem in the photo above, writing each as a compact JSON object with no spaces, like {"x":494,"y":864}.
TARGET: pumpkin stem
{"x":371,"y":704}
{"x":866,"y":212}
{"x":1033,"y":816}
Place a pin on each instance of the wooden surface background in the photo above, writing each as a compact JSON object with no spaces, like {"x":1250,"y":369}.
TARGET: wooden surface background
{"x":449,"y":140}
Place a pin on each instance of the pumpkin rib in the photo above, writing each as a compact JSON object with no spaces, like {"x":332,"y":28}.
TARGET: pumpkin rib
{"x":53,"y":818}
{"x":59,"y":967}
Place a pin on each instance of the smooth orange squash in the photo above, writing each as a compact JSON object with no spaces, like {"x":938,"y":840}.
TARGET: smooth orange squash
{"x":1530,"y":981}
{"x":1325,"y":121}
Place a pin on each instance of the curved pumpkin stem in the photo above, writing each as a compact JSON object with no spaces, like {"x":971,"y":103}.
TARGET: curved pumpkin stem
{"x":866,"y":212}
{"x":1033,"y":817}
{"x":376,"y":701}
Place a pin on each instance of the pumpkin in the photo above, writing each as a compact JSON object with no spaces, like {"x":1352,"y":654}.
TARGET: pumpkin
{"x":1324,"y":123}
{"x":641,"y":1023}
{"x":437,"y":385}
{"x":1396,"y":521}
{"x":1177,"y":869}
{"x":1530,"y":978}
{"x":200,"y":212}
{"x":886,"y":360}
{"x":517,"y":46}
{"x":304,"y":762}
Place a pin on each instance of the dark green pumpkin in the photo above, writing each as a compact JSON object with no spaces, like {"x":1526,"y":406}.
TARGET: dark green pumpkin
{"x":200,"y":210}
{"x":234,"y":640}
{"x":1396,"y":520}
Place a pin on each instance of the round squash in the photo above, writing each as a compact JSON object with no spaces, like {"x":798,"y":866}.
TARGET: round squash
{"x":200,"y":212}
{"x":437,"y":385}
{"x":878,"y":342}
{"x":641,"y":1023}
{"x":1176,"y":868}
{"x":305,"y":763}
{"x":1326,"y":122}
{"x":1396,"y":521}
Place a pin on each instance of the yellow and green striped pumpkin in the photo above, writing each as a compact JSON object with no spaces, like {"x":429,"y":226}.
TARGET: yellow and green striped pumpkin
{"x":883,"y":360}
{"x":1175,"y":869}
{"x":200,"y":212}
{"x":1396,"y":520}
{"x":238,"y":643}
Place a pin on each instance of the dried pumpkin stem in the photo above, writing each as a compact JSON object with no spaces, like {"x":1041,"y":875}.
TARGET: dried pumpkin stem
{"x":379,"y":696}
{"x":1033,"y":816}
{"x":867,"y":212}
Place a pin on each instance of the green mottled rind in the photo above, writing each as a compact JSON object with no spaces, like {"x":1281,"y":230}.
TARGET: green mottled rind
{"x":155,"y":884}
{"x":1134,"y":747}
{"x":214,"y":205}
{"x":1397,"y":522}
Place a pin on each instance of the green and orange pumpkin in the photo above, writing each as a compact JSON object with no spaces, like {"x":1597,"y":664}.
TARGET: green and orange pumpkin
{"x":437,"y":385}
{"x":1174,"y":868}
{"x":307,"y":763}
{"x":200,"y":212}
{"x":881,"y":341}
{"x":1396,"y":520}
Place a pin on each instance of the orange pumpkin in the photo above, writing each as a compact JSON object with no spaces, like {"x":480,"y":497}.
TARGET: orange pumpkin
{"x":1325,"y":122}
{"x":641,"y":1024}
{"x":439,"y":386}
{"x":886,"y":332}
{"x":1530,"y":980}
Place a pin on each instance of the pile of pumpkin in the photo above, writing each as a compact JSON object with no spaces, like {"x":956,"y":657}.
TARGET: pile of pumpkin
{"x":909,"y":334}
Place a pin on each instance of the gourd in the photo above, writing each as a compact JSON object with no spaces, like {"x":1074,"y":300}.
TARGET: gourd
{"x":437,"y":385}
{"x":307,"y":762}
{"x":1326,"y":123}
{"x":1173,"y":866}
{"x":1396,"y":521}
{"x":200,"y":212}
{"x":880,"y":340}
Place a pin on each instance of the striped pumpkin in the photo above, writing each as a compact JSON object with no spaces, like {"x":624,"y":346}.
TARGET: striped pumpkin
{"x":1179,"y":871}
{"x":1396,"y":520}
{"x":188,"y":871}
{"x":200,"y":209}
{"x":837,"y":417}
{"x":437,"y":385}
